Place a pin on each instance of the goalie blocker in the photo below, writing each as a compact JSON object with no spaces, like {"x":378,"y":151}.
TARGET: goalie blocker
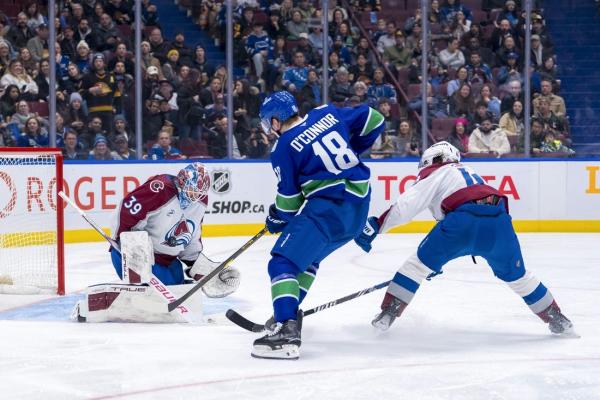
{"x":142,"y":297}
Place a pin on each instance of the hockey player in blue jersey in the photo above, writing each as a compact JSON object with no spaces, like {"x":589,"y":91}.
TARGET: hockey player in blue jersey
{"x":472,"y":220}
{"x":316,"y":163}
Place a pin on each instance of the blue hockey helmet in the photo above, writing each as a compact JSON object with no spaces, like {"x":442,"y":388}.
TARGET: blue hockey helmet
{"x":192,"y":183}
{"x":280,"y":105}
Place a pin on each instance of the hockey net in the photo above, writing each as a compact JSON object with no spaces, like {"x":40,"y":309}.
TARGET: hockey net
{"x":31,"y":221}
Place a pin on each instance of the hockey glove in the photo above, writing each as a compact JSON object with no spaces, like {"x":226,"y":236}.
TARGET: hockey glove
{"x":225,"y":283}
{"x":274,"y":222}
{"x":368,"y":234}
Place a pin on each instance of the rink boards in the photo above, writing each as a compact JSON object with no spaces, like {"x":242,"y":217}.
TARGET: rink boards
{"x":544,"y":196}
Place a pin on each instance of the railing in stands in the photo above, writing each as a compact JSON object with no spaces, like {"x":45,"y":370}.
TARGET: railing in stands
{"x":388,"y":72}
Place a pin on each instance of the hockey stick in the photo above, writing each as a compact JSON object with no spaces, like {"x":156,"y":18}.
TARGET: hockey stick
{"x":248,"y":325}
{"x":217,"y":270}
{"x":154,"y":281}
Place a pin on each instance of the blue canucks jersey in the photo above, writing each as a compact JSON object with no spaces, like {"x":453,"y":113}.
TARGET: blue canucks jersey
{"x":319,"y":157}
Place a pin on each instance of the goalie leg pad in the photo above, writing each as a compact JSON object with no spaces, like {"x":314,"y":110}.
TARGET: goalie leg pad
{"x":137,"y":256}
{"x":133,"y":303}
{"x":225,"y":283}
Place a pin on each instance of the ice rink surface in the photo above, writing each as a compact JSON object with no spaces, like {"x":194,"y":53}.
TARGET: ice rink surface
{"x":465,"y":336}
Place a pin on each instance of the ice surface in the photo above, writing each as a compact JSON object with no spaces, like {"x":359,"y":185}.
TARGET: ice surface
{"x":465,"y":336}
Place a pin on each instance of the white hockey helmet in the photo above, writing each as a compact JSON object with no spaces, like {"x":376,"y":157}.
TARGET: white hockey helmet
{"x":439,"y":152}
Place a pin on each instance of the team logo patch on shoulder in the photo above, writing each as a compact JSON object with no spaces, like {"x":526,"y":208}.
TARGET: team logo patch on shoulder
{"x":156,"y":186}
{"x":221,"y":181}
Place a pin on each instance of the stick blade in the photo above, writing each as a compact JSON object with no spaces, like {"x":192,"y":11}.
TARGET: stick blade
{"x":242,"y":322}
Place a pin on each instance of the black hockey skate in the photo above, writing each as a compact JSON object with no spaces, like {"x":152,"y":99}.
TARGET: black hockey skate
{"x":391,"y":309}
{"x":271,"y":324}
{"x":281,"y":343}
{"x":557,"y":322}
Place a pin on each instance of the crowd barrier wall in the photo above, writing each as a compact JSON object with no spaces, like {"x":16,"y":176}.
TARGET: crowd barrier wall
{"x":544,"y":196}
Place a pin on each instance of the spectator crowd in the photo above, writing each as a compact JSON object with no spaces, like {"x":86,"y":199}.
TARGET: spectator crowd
{"x":475,"y":60}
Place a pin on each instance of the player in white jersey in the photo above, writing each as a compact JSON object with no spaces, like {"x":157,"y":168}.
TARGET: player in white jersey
{"x":168,"y":210}
{"x":472,"y":220}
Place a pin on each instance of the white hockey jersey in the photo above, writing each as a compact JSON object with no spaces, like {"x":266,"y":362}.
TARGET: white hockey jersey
{"x":154,"y":207}
{"x":441,"y":188}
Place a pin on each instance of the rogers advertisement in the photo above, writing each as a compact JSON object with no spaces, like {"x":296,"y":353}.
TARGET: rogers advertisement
{"x":241,"y":192}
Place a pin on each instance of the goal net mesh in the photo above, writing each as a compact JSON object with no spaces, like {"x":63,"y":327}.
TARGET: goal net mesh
{"x":28,"y":223}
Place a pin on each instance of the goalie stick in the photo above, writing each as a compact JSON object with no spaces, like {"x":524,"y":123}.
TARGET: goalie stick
{"x":248,"y":325}
{"x":154,"y":282}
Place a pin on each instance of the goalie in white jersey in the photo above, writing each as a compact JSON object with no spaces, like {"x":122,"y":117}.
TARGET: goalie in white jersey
{"x":472,"y":220}
{"x":158,"y":230}
{"x":171,"y":209}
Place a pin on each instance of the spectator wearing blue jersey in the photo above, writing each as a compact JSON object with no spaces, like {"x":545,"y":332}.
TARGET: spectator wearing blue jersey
{"x":322,"y":199}
{"x":509,"y":13}
{"x":295,"y":76}
{"x":162,"y":149}
{"x":450,"y":8}
{"x":478,"y":71}
{"x":258,"y":46}
{"x":33,"y":135}
{"x":379,"y":89}
{"x":82,"y":59}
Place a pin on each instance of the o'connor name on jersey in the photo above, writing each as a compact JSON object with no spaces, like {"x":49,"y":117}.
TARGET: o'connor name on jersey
{"x":315,"y":130}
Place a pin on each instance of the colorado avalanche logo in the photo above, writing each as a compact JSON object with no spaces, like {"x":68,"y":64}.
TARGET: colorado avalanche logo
{"x":156,"y":186}
{"x":180,"y":234}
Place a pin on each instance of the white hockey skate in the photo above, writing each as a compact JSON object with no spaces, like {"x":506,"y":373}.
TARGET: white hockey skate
{"x":388,"y":314}
{"x":557,"y":323}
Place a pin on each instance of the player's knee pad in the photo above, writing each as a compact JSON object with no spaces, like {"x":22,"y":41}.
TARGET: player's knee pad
{"x":279,"y":265}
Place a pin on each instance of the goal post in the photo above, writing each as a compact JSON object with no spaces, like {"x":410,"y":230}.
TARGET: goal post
{"x":31,"y":221}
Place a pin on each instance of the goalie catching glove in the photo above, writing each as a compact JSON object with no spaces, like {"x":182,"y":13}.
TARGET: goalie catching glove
{"x":225,"y":283}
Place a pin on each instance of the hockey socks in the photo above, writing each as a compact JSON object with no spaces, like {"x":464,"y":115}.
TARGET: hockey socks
{"x":401,"y":291}
{"x":306,"y":279}
{"x":533,"y":292}
{"x":285,"y":294}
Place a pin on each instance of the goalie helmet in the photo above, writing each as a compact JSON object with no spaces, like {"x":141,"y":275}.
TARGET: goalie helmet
{"x":280,"y":105}
{"x":192,"y":184}
{"x":440,"y":152}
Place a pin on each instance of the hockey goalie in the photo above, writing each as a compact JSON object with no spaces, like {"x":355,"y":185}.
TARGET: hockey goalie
{"x":158,"y":230}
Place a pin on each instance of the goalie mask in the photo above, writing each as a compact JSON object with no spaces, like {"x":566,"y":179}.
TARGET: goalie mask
{"x":192,"y":184}
{"x":441,"y":152}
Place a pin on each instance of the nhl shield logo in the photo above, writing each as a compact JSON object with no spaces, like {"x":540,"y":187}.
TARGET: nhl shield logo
{"x":221,"y":181}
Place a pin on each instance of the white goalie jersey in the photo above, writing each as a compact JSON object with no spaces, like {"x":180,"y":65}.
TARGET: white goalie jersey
{"x":154,"y":207}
